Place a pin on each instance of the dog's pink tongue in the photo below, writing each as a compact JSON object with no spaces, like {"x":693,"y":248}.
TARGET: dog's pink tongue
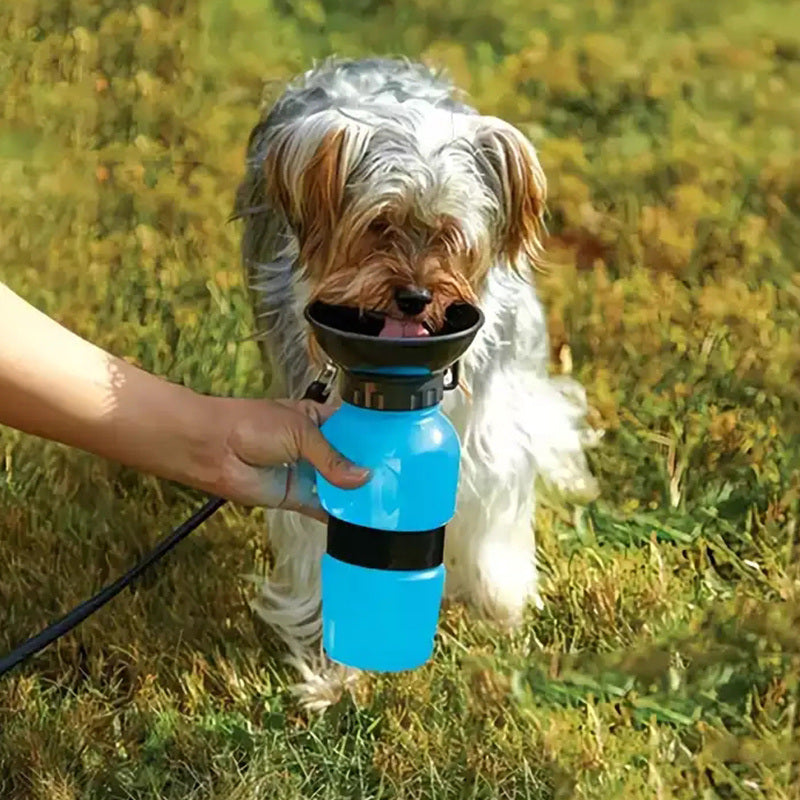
{"x":397,"y":329}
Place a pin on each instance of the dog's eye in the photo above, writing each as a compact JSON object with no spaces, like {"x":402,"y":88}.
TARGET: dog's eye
{"x":379,"y":227}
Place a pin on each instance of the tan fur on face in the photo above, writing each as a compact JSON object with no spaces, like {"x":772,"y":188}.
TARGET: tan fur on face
{"x":395,"y":252}
{"x":357,"y":255}
{"x":388,"y":255}
{"x":314,"y":207}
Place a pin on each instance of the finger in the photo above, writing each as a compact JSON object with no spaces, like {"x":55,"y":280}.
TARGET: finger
{"x":315,"y":513}
{"x":271,"y":485}
{"x":332,"y":465}
{"x":285,"y":487}
{"x":301,"y":492}
{"x":301,"y":487}
{"x":319,"y":412}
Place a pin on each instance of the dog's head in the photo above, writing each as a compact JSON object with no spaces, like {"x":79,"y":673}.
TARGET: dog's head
{"x":404,"y":215}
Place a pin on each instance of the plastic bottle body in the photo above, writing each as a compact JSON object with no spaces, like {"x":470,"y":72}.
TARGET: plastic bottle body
{"x":414,"y":457}
{"x":386,"y":619}
{"x":379,"y":620}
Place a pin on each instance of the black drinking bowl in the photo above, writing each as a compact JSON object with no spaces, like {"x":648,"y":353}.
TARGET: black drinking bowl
{"x":351,"y":339}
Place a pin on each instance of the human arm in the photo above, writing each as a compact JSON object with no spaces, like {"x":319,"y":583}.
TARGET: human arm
{"x":56,"y":385}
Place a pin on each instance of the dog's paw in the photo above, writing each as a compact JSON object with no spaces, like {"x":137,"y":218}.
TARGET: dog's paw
{"x":568,"y":481}
{"x":323,"y":683}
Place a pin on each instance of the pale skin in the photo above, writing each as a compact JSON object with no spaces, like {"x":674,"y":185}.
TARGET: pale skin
{"x":58,"y":386}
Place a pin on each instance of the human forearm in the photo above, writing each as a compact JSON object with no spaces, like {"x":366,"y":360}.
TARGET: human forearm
{"x":56,"y":385}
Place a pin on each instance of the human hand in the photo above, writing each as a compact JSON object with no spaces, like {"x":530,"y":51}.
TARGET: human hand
{"x":270,"y":451}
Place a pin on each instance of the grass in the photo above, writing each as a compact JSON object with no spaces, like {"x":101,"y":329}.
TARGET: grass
{"x":666,"y":661}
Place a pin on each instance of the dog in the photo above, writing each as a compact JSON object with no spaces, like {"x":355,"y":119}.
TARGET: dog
{"x":372,"y":184}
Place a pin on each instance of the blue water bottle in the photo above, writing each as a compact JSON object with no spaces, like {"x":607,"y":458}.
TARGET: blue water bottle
{"x":383,"y":572}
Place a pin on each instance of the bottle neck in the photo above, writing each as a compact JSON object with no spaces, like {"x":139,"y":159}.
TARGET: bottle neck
{"x":391,"y":392}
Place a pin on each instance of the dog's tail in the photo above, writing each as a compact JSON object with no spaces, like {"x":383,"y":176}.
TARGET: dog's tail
{"x":559,"y":435}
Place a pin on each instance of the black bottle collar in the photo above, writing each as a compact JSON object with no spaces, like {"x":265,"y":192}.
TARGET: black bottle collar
{"x":380,"y":392}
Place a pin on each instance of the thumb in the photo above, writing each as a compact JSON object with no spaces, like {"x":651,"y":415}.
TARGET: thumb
{"x":332,"y":465}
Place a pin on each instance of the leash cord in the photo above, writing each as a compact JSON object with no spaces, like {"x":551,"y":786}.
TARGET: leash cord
{"x":318,"y":391}
{"x":78,"y":614}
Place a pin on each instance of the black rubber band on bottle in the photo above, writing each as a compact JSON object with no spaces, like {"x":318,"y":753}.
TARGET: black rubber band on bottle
{"x":378,"y":549}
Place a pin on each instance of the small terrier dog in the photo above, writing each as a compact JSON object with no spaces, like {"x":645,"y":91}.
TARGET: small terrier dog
{"x":370,"y":184}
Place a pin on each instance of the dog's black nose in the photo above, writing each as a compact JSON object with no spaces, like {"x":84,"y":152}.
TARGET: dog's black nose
{"x":411,"y":300}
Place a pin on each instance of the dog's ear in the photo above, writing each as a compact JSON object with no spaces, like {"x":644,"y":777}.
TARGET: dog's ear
{"x":306,"y":171}
{"x":511,"y":168}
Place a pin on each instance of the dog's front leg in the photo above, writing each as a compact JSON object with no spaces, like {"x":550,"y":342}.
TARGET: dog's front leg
{"x":490,"y":547}
{"x":289,"y":601}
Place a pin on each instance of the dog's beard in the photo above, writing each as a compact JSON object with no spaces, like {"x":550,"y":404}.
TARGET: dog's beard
{"x":366,"y":274}
{"x":369,"y":294}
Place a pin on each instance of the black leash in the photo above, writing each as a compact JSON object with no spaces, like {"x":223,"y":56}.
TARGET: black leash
{"x":79,"y":613}
{"x":318,"y":390}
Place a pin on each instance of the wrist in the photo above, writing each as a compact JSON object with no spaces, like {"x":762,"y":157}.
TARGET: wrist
{"x":164,"y":428}
{"x":204,"y":429}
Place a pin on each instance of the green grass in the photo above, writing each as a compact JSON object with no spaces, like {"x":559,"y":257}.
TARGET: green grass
{"x":666,"y":661}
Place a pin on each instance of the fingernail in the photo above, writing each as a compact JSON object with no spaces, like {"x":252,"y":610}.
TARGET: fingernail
{"x":353,"y":470}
